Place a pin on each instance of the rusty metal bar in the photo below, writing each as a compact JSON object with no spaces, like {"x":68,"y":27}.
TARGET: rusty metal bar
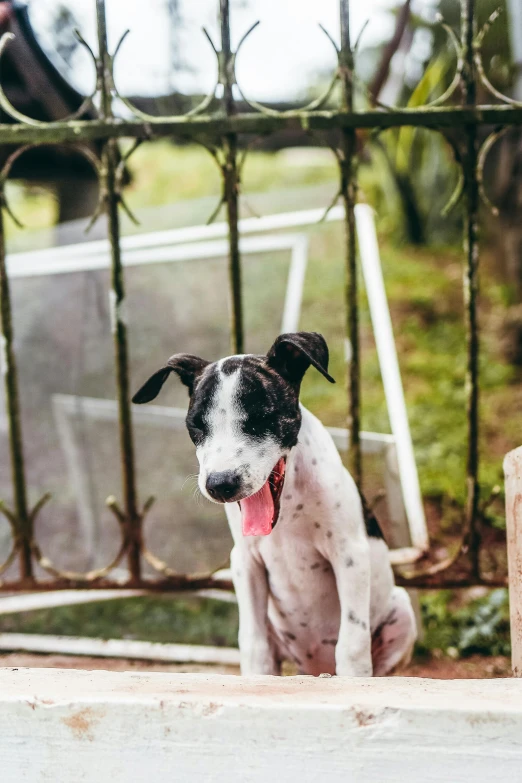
{"x":21,"y":517}
{"x":471,"y":285}
{"x":348,"y":191}
{"x":215,"y":127}
{"x":187,"y":584}
{"x":230,"y":174}
{"x":117,"y":300}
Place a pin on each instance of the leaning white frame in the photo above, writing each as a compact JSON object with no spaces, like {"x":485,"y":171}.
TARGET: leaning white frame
{"x":63,"y":411}
{"x":66,"y":406}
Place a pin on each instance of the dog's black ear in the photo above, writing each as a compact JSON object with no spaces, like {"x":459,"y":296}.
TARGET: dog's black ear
{"x":292,"y":354}
{"x":188,"y":367}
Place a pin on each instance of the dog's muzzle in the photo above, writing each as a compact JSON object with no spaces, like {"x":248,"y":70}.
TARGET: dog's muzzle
{"x":223,"y":486}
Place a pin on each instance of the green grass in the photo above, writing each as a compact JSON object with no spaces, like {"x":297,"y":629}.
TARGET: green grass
{"x":451,"y":627}
{"x":174,"y":620}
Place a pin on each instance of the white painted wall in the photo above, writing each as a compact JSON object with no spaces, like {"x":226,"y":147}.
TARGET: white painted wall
{"x":105,"y":727}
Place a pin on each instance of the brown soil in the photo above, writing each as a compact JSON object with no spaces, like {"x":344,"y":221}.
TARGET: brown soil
{"x":475,"y":667}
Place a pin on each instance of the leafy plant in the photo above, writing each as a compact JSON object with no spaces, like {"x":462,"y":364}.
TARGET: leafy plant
{"x":479,"y":626}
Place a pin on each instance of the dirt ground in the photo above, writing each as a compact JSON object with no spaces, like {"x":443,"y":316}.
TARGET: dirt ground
{"x":475,"y":667}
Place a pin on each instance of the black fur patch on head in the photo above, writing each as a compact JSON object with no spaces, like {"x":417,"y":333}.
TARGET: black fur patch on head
{"x":270,"y":405}
{"x":233,"y":364}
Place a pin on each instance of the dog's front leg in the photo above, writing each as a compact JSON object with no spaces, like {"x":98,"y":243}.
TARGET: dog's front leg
{"x":352,"y":573}
{"x":256,"y":646}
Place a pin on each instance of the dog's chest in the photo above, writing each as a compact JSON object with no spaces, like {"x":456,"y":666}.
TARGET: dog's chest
{"x":303,"y":603}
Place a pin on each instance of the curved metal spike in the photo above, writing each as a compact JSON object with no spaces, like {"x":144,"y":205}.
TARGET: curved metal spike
{"x":477,"y":57}
{"x":132,"y":217}
{"x":455,"y":196}
{"x":311,"y":106}
{"x":84,"y":43}
{"x":78,"y":576}
{"x":152,"y":118}
{"x":112,"y":503}
{"x":458,"y":190}
{"x":450,"y":31}
{"x":147,"y":506}
{"x":5,"y":103}
{"x":325,"y":31}
{"x":5,"y":204}
{"x":375,"y":101}
{"x":39,"y":505}
{"x":481,"y":160}
{"x":120,"y":168}
{"x":8,"y":514}
{"x":163,"y":568}
{"x":13,"y":112}
{"x":205,"y":103}
{"x":486,"y":27}
{"x":358,"y":41}
{"x":458,"y":71}
{"x":95,"y":216}
{"x":245,"y":36}
{"x":330,"y":206}
{"x":87,"y":153}
{"x":209,"y":39}
{"x":216,"y":211}
{"x":10,"y":557}
{"x":315,"y":104}
{"x":16,"y":540}
{"x":118,"y":45}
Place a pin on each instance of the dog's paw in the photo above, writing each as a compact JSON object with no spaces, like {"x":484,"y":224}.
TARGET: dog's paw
{"x":258,"y":659}
{"x":354,"y":666}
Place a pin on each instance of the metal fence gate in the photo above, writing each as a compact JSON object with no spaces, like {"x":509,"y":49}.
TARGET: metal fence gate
{"x":218,"y":131}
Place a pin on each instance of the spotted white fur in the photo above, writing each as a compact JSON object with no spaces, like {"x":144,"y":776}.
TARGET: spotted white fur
{"x":317,"y":588}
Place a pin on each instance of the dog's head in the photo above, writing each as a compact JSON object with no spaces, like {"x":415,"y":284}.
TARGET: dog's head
{"x":244,"y":418}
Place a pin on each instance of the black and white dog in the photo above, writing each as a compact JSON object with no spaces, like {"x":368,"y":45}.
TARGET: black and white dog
{"x":313,"y":584}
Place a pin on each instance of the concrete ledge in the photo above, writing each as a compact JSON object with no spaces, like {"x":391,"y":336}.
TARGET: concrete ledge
{"x":108,"y":727}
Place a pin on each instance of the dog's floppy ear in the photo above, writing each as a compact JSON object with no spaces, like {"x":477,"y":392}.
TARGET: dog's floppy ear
{"x":292,"y":354}
{"x":188,"y":367}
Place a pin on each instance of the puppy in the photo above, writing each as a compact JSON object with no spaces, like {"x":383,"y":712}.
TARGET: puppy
{"x":313,"y":581}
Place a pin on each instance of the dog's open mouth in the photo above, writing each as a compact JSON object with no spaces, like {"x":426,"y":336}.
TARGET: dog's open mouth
{"x":260,"y":512}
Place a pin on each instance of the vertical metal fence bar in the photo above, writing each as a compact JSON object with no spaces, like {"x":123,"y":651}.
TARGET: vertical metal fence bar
{"x":231,"y":184}
{"x":22,"y":518}
{"x":471,"y":287}
{"x":349,"y":194}
{"x":117,"y":294}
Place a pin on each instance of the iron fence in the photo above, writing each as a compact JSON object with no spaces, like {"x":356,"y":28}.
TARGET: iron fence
{"x":218,"y":132}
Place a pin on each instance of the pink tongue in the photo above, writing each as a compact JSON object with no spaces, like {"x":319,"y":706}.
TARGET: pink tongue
{"x":257,"y":513}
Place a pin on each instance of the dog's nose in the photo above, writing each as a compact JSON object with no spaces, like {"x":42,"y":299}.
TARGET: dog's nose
{"x":224,"y":485}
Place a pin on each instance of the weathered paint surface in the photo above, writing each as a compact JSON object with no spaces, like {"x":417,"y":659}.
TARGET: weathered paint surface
{"x":108,"y":727}
{"x":513,"y":474}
